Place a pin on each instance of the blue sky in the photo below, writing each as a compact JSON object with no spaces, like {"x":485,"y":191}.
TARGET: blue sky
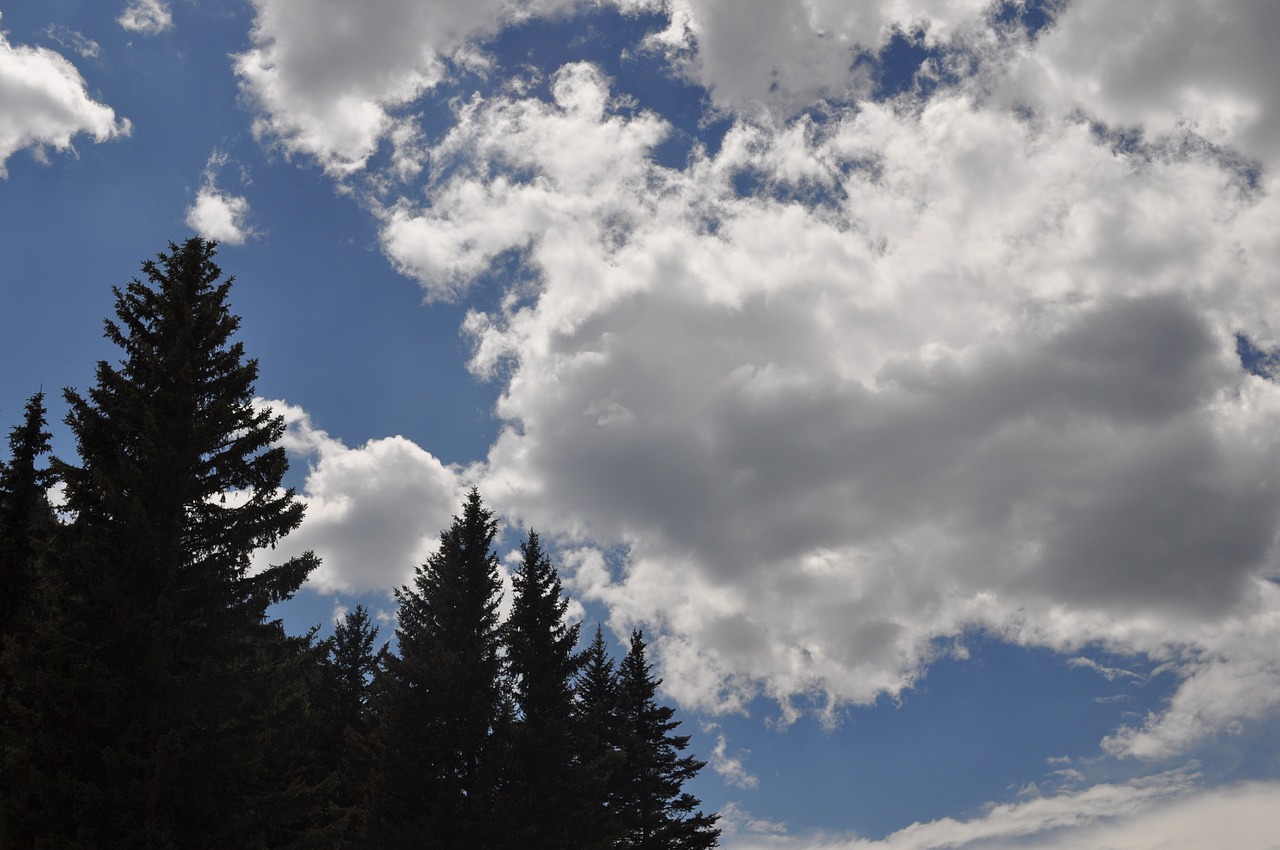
{"x":901,"y":367}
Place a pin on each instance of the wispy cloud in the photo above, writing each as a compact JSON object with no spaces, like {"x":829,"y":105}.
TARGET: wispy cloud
{"x":147,"y":17}
{"x":731,"y":767}
{"x":72,"y":40}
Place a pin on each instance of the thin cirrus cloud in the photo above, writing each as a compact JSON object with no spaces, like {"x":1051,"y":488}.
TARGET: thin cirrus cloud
{"x":952,"y":364}
{"x":46,"y":104}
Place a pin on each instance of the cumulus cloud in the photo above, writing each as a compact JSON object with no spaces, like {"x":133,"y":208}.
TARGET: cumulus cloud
{"x":1199,"y":65}
{"x":327,"y":77}
{"x":947,"y":370}
{"x":784,"y":56}
{"x":1167,"y":811}
{"x":148,"y":17}
{"x":373,"y":513}
{"x":962,"y":363}
{"x":216,"y":214}
{"x":44,"y":103}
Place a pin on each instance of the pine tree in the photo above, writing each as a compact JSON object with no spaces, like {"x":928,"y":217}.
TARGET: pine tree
{"x":26,"y":523}
{"x":342,"y":747}
{"x":546,"y":773}
{"x":650,"y":805}
{"x":26,"y":517}
{"x":599,"y":744}
{"x":153,"y":695}
{"x":441,"y":703}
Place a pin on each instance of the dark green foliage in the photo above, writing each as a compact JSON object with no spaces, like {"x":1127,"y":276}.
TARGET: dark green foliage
{"x":649,"y":803}
{"x":596,"y":715}
{"x":156,"y":705}
{"x":350,"y":665}
{"x":442,"y":707}
{"x":26,"y":518}
{"x":546,"y":773}
{"x":147,"y":701}
{"x":342,"y":748}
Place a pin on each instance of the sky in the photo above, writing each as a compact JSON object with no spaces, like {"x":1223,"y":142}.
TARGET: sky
{"x":906,"y":369}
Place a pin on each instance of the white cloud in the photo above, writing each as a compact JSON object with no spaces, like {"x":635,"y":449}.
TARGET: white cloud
{"x":731,"y":767}
{"x":374,"y":512}
{"x":1166,"y":811}
{"x":327,"y":76}
{"x":957,"y":365}
{"x":44,"y":102}
{"x":216,"y":214}
{"x":72,"y":40}
{"x":1201,"y":65}
{"x":985,"y":379}
{"x":758,"y":53}
{"x":148,"y":17}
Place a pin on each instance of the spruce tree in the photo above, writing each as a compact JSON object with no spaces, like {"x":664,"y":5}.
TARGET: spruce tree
{"x":546,"y":772}
{"x":152,"y":696}
{"x":26,"y":522}
{"x":599,"y":744}
{"x":441,"y":702}
{"x":342,"y":747}
{"x":26,"y":517}
{"x":650,"y":805}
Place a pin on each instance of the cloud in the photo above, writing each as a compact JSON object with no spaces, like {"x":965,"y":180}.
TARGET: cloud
{"x":45,"y":103}
{"x":216,"y":214}
{"x":1166,"y":811}
{"x":861,"y":382}
{"x":1200,"y":66}
{"x":731,"y":767}
{"x":373,"y":513}
{"x":785,"y":56}
{"x":72,"y":40}
{"x":945,"y":370}
{"x":148,"y":17}
{"x":327,"y":78}
{"x":995,"y":370}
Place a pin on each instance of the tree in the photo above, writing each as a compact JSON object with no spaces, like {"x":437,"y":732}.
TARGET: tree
{"x":26,"y":517}
{"x":650,"y":805}
{"x":155,"y":696}
{"x":441,"y":703}
{"x":596,"y":713}
{"x":341,"y":748}
{"x":546,"y":804}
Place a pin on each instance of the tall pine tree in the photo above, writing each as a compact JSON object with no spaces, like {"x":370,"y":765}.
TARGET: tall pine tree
{"x":442,"y":704}
{"x":650,"y":805}
{"x":546,"y":773}
{"x":599,"y":743}
{"x":26,"y":517}
{"x":152,"y":696}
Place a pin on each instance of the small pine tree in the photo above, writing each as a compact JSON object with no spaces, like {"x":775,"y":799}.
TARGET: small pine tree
{"x":650,"y":805}
{"x":441,"y":702}
{"x":341,"y":749}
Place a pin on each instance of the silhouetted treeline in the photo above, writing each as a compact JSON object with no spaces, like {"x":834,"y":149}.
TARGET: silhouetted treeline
{"x":146,"y":700}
